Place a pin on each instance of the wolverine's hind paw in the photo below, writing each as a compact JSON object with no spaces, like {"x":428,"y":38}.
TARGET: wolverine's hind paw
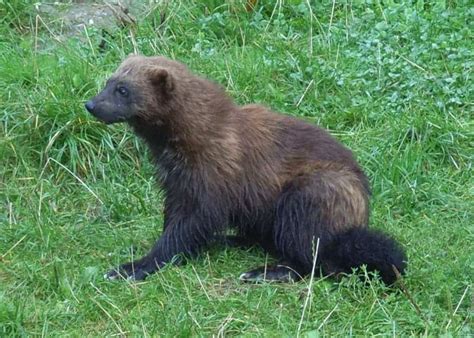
{"x":277,"y":273}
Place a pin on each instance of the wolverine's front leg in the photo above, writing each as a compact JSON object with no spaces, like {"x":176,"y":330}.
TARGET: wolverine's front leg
{"x":183,"y":234}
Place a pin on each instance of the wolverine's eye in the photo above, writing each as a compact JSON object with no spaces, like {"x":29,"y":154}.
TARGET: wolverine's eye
{"x":122,"y":91}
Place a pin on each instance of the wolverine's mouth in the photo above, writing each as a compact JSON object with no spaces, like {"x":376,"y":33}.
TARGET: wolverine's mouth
{"x":109,"y":118}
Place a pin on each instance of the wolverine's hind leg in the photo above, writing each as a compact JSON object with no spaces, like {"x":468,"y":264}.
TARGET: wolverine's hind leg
{"x":311,"y":210}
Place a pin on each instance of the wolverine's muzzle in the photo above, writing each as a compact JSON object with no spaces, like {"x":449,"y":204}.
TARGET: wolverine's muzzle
{"x":103,"y":113}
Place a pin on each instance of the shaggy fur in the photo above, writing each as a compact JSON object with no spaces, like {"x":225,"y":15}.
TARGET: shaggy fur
{"x":278,"y":181}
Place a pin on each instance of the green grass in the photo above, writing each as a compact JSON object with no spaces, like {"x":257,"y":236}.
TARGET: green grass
{"x":392,"y":81}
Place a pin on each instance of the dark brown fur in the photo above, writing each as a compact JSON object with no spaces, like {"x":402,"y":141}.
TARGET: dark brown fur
{"x":280,"y":182}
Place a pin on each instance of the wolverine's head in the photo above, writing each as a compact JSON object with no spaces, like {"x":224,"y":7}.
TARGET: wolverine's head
{"x":140,"y":89}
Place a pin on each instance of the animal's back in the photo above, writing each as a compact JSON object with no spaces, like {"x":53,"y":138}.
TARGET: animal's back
{"x":282,"y":146}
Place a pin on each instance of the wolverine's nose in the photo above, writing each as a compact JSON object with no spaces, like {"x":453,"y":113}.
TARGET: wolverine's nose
{"x":90,"y":106}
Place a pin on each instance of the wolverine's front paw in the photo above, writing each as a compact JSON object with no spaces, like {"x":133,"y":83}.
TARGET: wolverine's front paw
{"x":136,"y":270}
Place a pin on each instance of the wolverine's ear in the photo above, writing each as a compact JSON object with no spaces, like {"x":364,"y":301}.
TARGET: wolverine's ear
{"x":161,"y":79}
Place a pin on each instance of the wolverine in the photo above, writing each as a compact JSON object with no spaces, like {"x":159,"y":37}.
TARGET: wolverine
{"x":270,"y":179}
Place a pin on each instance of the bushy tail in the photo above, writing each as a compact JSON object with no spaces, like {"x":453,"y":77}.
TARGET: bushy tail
{"x":361,"y":246}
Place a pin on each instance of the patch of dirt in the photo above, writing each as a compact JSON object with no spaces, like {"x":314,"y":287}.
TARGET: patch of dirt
{"x":70,"y":18}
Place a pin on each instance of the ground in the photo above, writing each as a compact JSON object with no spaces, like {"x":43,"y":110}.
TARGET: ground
{"x":393,"y":82}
